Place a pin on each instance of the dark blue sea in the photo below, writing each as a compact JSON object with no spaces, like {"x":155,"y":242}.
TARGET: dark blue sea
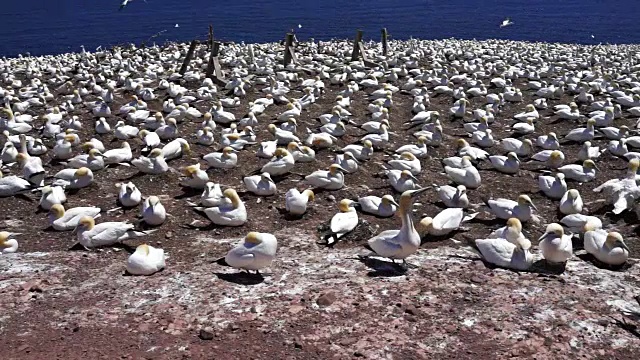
{"x":56,"y":26}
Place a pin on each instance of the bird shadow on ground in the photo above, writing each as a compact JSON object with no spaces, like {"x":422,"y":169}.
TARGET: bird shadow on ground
{"x":241,"y":278}
{"x":187,"y":192}
{"x":133,"y":176}
{"x":599,"y":264}
{"x":382,"y":268}
{"x":127,"y":274}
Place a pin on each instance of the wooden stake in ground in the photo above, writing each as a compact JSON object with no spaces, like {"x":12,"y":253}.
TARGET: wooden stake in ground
{"x":359,"y":51}
{"x":289,"y":54}
{"x":385,"y":45}
{"x":187,"y":58}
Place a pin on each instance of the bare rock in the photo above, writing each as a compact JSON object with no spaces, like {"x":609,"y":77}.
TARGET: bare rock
{"x":327,"y":298}
{"x":206,"y":334}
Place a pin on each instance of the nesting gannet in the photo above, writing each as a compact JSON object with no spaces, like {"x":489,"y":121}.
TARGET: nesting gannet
{"x":154,"y":164}
{"x":361,"y":152}
{"x":227,"y":159}
{"x":548,"y":142}
{"x":261,"y":185}
{"x":146,"y":260}
{"x":255,"y":252}
{"x":582,"y":134}
{"x":91,"y":235}
{"x":505,"y":208}
{"x":118,"y":156}
{"x":129,"y":195}
{"x":212,"y":195}
{"x":296,"y":202}
{"x":280,"y":164}
{"x":446,"y":222}
{"x":571,"y":202}
{"x":453,"y":197}
{"x":509,"y":164}
{"x":402,"y":180}
{"x":466,"y":175}
{"x":8,"y":243}
{"x":347,"y":161}
{"x":505,"y":254}
{"x":552,"y":158}
{"x":51,"y":195}
{"x":13,"y":185}
{"x":66,"y":220}
{"x":580,"y":173}
{"x":512,"y":232}
{"x":301,"y":154}
{"x":399,"y":244}
{"x":176,"y":149}
{"x":384,"y":206}
{"x":418,"y":150}
{"x":608,"y":247}
{"x":556,"y":247}
{"x":74,"y":178}
{"x":228,"y":213}
{"x":153,"y":212}
{"x":464,"y":149}
{"x":343,"y":222}
{"x":332,"y":179}
{"x":624,"y":192}
{"x":553,"y":187}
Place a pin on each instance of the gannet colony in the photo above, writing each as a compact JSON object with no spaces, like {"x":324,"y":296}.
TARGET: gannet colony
{"x":522,"y":155}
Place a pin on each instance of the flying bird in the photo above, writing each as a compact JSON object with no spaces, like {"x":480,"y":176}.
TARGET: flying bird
{"x":506,"y":22}
{"x":125,"y":3}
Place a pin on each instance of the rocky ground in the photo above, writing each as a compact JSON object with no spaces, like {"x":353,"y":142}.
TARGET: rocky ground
{"x":314,"y":302}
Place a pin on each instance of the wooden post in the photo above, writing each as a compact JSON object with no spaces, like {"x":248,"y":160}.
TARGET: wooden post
{"x":385,"y":45}
{"x":356,"y":46}
{"x":210,"y":62}
{"x":187,"y":58}
{"x":288,"y":49}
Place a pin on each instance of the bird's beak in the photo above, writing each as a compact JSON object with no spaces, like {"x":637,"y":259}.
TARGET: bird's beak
{"x":394,"y":203}
{"x":419,"y":191}
{"x":533,"y":206}
{"x":75,"y":230}
{"x":624,"y":246}
{"x":543,"y":236}
{"x":416,"y":179}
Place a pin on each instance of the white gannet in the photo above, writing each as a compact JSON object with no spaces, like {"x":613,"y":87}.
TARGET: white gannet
{"x":255,"y":252}
{"x":402,"y":181}
{"x":154,"y":164}
{"x":146,"y":260}
{"x":580,"y":173}
{"x":129,"y":195}
{"x":227,"y":159}
{"x":552,"y":158}
{"x":505,"y":208}
{"x":553,"y":187}
{"x":512,"y":232}
{"x":347,"y":161}
{"x":51,"y":195}
{"x":342,"y":223}
{"x":66,"y":220}
{"x":261,"y":185}
{"x":453,"y":197}
{"x":399,"y":244}
{"x":296,"y":202}
{"x":176,"y":149}
{"x":384,"y":206}
{"x":361,"y":152}
{"x":332,"y":179}
{"x":8,"y":243}
{"x":153,"y":212}
{"x":13,"y":185}
{"x":548,"y":142}
{"x":607,"y":247}
{"x":91,"y":235}
{"x":509,"y":164}
{"x":280,"y":164}
{"x":571,"y":202}
{"x":466,"y":175}
{"x":446,"y":222}
{"x":505,"y":254}
{"x":228,"y":213}
{"x":406,"y":161}
{"x":556,"y":247}
{"x":301,"y":154}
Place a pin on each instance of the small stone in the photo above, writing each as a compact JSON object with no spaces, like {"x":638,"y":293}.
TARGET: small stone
{"x":168,"y":235}
{"x":411,"y":310}
{"x":331,"y":198}
{"x":297,"y":344}
{"x":259,"y":200}
{"x":326,"y":298}
{"x":411,"y":318}
{"x":479,"y":279}
{"x":76,"y":328}
{"x":205,"y":334}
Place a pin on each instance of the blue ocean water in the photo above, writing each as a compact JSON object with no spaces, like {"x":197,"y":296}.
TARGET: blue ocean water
{"x":48,"y":27}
